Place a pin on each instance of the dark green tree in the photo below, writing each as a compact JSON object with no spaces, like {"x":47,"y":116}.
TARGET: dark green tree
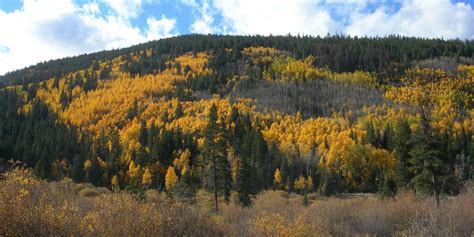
{"x":94,"y":172}
{"x":77,"y":172}
{"x":244,"y":181}
{"x":214,"y":152}
{"x":40,"y":169}
{"x":429,"y":165}
{"x":372,"y":136}
{"x":178,"y":113}
{"x":402,"y":147}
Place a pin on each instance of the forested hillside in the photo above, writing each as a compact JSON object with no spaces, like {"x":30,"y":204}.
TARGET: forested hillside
{"x":244,"y":114}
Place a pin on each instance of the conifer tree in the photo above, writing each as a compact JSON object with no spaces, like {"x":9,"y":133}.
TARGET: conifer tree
{"x":401,"y":143}
{"x":178,"y":113}
{"x":40,"y":170}
{"x":94,"y":172}
{"x":214,"y":153}
{"x":387,"y":137}
{"x":78,"y":169}
{"x":429,"y":165}
{"x":244,"y":182}
{"x":372,"y":136}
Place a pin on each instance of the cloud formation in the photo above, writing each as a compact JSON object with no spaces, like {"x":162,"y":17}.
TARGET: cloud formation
{"x":204,"y":23}
{"x":277,"y":17}
{"x":49,"y":29}
{"x":125,"y":8}
{"x":421,"y":18}
{"x":162,"y":28}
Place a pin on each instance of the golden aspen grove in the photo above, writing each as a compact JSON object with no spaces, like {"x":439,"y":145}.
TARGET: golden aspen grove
{"x":242,"y":136}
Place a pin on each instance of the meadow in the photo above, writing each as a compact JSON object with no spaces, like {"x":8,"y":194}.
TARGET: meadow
{"x":34,"y":207}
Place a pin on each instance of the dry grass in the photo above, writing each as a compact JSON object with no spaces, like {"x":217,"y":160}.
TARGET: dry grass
{"x":275,"y":213}
{"x":30,"y":207}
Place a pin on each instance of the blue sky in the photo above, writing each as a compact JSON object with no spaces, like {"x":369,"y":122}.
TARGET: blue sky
{"x":36,"y":30}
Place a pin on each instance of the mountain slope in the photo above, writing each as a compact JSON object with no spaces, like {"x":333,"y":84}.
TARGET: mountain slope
{"x":245,"y":114}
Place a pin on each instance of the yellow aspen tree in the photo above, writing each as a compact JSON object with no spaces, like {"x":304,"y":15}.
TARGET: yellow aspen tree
{"x":115,"y":183}
{"x":182,"y":162}
{"x":133,"y":170}
{"x":147,"y":177}
{"x":277,"y":178}
{"x":87,"y":165}
{"x":300,"y":183}
{"x":309,"y":183}
{"x":170,"y":179}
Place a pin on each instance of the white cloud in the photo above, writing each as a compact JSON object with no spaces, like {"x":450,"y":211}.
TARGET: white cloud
{"x":38,"y":9}
{"x":190,"y":3}
{"x":203,"y":24}
{"x":422,"y":18}
{"x":276,"y":17}
{"x":160,"y":28}
{"x":91,"y":8}
{"x":125,"y":8}
{"x":49,"y":29}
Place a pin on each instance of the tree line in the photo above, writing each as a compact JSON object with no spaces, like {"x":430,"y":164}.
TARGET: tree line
{"x":386,"y":55}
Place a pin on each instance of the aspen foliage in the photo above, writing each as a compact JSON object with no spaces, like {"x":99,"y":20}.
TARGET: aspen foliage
{"x":303,"y":183}
{"x":182,"y":161}
{"x":277,"y":178}
{"x":140,"y":122}
{"x":115,"y":183}
{"x":447,"y":98}
{"x":147,"y":177}
{"x":171,"y":179}
{"x":133,"y":170}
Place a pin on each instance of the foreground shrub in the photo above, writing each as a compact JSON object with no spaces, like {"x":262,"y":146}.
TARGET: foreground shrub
{"x":30,"y":207}
{"x":88,"y":192}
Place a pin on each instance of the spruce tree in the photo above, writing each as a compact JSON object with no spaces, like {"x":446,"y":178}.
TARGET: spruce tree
{"x":401,"y":145}
{"x":78,"y":169}
{"x":244,"y":181}
{"x":372,"y":136}
{"x":40,"y":170}
{"x":387,"y":137}
{"x":214,"y":153}
{"x":429,"y":164}
{"x":224,"y":175}
{"x":95,"y":172}
{"x":143,"y":134}
{"x":178,"y":113}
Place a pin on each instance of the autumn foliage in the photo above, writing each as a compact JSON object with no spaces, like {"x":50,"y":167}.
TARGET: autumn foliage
{"x":236,"y":123}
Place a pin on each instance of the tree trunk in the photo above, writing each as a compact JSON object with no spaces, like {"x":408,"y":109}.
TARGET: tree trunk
{"x":435,"y":188}
{"x":216,"y":207}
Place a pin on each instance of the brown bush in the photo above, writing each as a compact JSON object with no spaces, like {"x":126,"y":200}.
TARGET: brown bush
{"x":88,"y":192}
{"x":31,"y":207}
{"x":453,"y":218}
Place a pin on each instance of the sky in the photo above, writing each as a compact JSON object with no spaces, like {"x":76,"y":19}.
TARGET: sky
{"x":33,"y":31}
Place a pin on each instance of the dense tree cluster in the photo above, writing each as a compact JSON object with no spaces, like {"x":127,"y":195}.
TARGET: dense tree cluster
{"x":299,"y":114}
